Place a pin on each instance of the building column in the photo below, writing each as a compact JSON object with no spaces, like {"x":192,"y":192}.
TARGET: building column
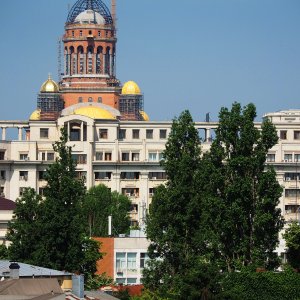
{"x":20,"y":133}
{"x":3,"y":133}
{"x":81,"y":132}
{"x":207,"y":135}
{"x":110,"y":62}
{"x":104,"y":62}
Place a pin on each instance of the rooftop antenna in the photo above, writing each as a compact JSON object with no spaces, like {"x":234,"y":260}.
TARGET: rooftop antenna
{"x":207,"y":117}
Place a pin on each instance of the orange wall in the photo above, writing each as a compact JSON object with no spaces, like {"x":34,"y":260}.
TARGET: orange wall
{"x":106,"y":264}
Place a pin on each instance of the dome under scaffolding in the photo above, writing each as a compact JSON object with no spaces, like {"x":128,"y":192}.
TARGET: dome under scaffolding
{"x":97,"y":6}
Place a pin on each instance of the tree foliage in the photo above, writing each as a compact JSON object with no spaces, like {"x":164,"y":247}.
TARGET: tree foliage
{"x":101,"y":203}
{"x":179,"y":267}
{"x":24,"y":229}
{"x":292,"y":238}
{"x":242,"y":193}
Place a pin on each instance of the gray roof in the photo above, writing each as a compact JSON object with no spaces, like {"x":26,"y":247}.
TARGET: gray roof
{"x":27,"y":270}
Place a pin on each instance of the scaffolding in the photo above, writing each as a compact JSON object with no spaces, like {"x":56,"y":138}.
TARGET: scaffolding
{"x":95,"y":5}
{"x":131,"y":106}
{"x":50,"y":105}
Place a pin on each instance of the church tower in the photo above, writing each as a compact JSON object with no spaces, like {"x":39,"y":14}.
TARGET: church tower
{"x":90,"y":55}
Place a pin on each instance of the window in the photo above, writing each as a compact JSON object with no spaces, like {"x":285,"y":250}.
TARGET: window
{"x":130,"y":175}
{"x":80,"y":33}
{"x":122,"y":134}
{"x":90,"y":32}
{"x":81,"y":175}
{"x":134,"y":208}
{"x":42,"y":175}
{"x":270,"y":157}
{"x":73,"y":33}
{"x":2,"y":191}
{"x":291,"y":176}
{"x":79,"y":158}
{"x":106,"y":33}
{"x":50,"y":156}
{"x":107,"y":156}
{"x":152,"y":156}
{"x":80,"y":100}
{"x":99,"y":155}
{"x":131,"y":280}
{"x":283,"y":134}
{"x":131,"y":192}
{"x":24,"y":156}
{"x":131,"y":261}
{"x":21,"y":191}
{"x":292,"y":193}
{"x":99,"y":99}
{"x":135,"y":133}
{"x":103,"y":133}
{"x":297,"y":157}
{"x":288,"y":157}
{"x":2,"y":175}
{"x":42,"y":191}
{"x":90,"y":99}
{"x":160,"y":156}
{"x":2,"y":155}
{"x":135,"y":156}
{"x":149,"y":134}
{"x":296,"y":135}
{"x":151,"y":192}
{"x":120,"y":261}
{"x":163,"y":134}
{"x":125,"y":156}
{"x":157,"y":175}
{"x":121,"y":281}
{"x":102,"y":175}
{"x":143,"y":260}
{"x":291,"y":209}
{"x":44,"y":133}
{"x":99,"y":33}
{"x":23,"y":175}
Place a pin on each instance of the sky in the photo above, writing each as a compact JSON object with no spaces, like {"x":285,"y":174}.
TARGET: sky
{"x":199,"y":55}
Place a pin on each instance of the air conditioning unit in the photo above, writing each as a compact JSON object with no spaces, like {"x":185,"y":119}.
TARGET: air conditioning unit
{"x":106,"y":178}
{"x":27,"y":158}
{"x":21,"y":177}
{"x":128,"y":194}
{"x":25,"y":178}
{"x":119,"y":271}
{"x":153,"y":178}
{"x":288,"y":179}
{"x":150,"y":194}
{"x":286,"y":160}
{"x":134,"y":211}
{"x":288,"y":211}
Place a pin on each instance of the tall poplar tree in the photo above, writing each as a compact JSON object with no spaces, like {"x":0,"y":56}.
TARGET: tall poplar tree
{"x":178,"y":267}
{"x":242,"y":193}
{"x":62,"y":231}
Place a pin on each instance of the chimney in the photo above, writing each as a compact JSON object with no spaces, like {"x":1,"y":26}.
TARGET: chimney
{"x":14,"y":270}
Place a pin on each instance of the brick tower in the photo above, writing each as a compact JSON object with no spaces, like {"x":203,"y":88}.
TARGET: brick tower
{"x":90,"y":55}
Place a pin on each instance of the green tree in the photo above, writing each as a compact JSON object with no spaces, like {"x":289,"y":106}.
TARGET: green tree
{"x":60,"y":241}
{"x":292,"y":238}
{"x":100,"y":203}
{"x":242,"y":193}
{"x":179,"y":267}
{"x":24,"y":229}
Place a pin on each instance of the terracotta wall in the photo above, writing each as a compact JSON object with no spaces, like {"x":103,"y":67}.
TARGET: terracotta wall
{"x":106,"y":265}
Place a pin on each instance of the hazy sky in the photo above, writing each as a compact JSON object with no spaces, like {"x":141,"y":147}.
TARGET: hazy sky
{"x":192,"y":54}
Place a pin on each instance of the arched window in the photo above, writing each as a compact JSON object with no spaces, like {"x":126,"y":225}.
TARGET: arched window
{"x":80,"y":59}
{"x":90,"y":51}
{"x":107,"y":61}
{"x":98,"y":60}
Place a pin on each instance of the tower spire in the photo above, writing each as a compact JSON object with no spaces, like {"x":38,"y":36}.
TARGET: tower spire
{"x":113,"y":12}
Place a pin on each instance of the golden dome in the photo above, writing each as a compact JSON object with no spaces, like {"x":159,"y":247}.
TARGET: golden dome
{"x":144,"y":116}
{"x":49,"y":86}
{"x":131,"y":88}
{"x":94,"y":112}
{"x":35,"y":116}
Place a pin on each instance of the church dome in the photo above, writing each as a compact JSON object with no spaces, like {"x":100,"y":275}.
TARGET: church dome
{"x":90,"y":17}
{"x":80,"y":12}
{"x":49,"y":86}
{"x":35,"y":116}
{"x":131,"y":88}
{"x":94,"y":113}
{"x":144,"y":116}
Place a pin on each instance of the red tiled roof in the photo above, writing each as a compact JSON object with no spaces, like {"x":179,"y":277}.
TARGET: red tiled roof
{"x":6,"y":204}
